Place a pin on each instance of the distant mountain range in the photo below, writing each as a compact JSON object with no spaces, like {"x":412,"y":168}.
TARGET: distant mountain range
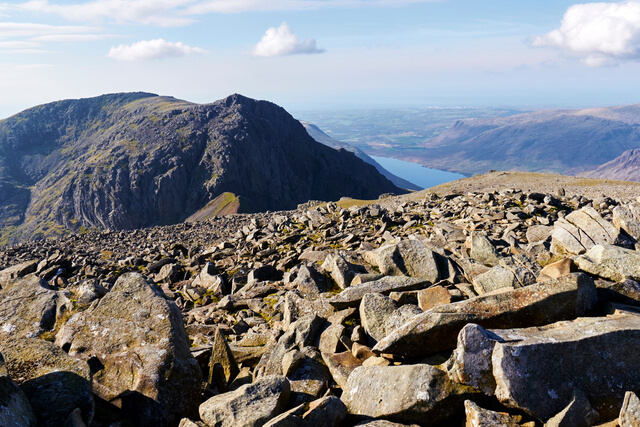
{"x":564,"y":141}
{"x":132,"y":160}
{"x":317,"y":134}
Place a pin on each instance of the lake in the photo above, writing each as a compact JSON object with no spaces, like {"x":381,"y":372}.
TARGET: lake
{"x":415,"y":173}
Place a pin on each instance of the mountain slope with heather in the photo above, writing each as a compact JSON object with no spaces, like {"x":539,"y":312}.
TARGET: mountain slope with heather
{"x":125,"y":161}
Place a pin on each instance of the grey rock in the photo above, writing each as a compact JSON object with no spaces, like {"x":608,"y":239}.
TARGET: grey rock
{"x":15,"y":409}
{"x":137,"y":338}
{"x":580,"y":231}
{"x":401,"y":316}
{"x":209,"y":279}
{"x":578,"y":413}
{"x":412,"y":393}
{"x":417,"y":260}
{"x":481,"y":250}
{"x":375,"y":309}
{"x":352,"y":296}
{"x":480,"y":417}
{"x":309,"y":281}
{"x":627,"y":218}
{"x":15,"y":272}
{"x":435,"y":330}
{"x":496,"y":278}
{"x":630,"y":411}
{"x":538,"y":233}
{"x":611,"y":262}
{"x":341,"y":365}
{"x":251,"y":405}
{"x":339,"y":269}
{"x":54,"y":382}
{"x":28,"y":307}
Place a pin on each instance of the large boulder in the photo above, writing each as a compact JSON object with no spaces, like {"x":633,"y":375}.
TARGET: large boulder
{"x":375,"y":309}
{"x":407,"y":394}
{"x":538,"y":369}
{"x":16,"y":271}
{"x":352,"y":296}
{"x":436,"y":330}
{"x":15,"y":409}
{"x":627,"y":218}
{"x":251,"y":405}
{"x":28,"y":307}
{"x":611,"y":262}
{"x":409,"y":257}
{"x":54,"y":382}
{"x":580,"y":231}
{"x":136,"y":341}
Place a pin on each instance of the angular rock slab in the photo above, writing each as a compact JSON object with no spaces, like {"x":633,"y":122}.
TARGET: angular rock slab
{"x":352,"y":296}
{"x":250,"y":405}
{"x":436,"y":330}
{"x":409,"y":257}
{"x":611,"y":262}
{"x":15,"y":409}
{"x":580,"y":231}
{"x":375,"y":309}
{"x":480,"y":417}
{"x":54,"y":382}
{"x":537,"y":369}
{"x":28,"y":307}
{"x":630,"y":412}
{"x":627,"y":218}
{"x":136,"y":340}
{"x":406,"y":394}
{"x":16,"y":271}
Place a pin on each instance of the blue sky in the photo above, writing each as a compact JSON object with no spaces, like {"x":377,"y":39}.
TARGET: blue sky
{"x":324,"y":54}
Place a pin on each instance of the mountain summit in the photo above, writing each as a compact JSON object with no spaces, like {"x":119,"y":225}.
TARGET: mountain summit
{"x":124,"y":161}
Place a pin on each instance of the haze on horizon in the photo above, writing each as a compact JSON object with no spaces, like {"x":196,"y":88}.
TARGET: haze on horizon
{"x":321,"y":54}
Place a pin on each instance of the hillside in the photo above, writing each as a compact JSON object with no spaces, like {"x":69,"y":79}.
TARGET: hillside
{"x":125,"y":161}
{"x":625,"y":167}
{"x":562,"y":141}
{"x":317,"y":134}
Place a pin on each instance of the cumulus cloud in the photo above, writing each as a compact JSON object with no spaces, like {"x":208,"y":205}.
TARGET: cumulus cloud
{"x":599,"y":34}
{"x":152,"y":49}
{"x":281,"y":41}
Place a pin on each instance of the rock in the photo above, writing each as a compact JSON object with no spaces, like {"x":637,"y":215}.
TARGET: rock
{"x":417,"y":260}
{"x":325,"y":412}
{"x":480,"y":417}
{"x":611,"y":262}
{"x":28,"y":307}
{"x":309,"y":281}
{"x":341,"y":365}
{"x":533,"y":371}
{"x":627,"y":218}
{"x":169,"y":273}
{"x":136,"y":340}
{"x":340,"y":270}
{"x":266,"y":273}
{"x":250,"y":405}
{"x":481,"y":250}
{"x":308,"y":376}
{"x":384,"y":258}
{"x":209,"y":279}
{"x":433,"y":297}
{"x":580,"y":231}
{"x":352,"y":296}
{"x":556,"y":269}
{"x":54,"y":382}
{"x":435,"y":330}
{"x":15,"y":272}
{"x":624,"y":292}
{"x":494,"y":279}
{"x":578,"y":413}
{"x":302,"y":333}
{"x":222,"y":354}
{"x":375,"y":309}
{"x":538,"y":233}
{"x":383,"y":423}
{"x":412,"y":393}
{"x":401,"y":316}
{"x":15,"y":409}
{"x":630,"y":411}
{"x":330,"y":338}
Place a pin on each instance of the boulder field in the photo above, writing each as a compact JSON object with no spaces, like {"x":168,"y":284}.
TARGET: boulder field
{"x":501,"y":308}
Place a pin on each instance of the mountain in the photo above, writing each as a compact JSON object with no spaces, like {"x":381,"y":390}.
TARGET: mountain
{"x":317,"y":134}
{"x":564,"y":141}
{"x":125,"y":161}
{"x":625,"y":167}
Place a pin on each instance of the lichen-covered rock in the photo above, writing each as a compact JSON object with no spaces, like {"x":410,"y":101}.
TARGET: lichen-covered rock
{"x":15,"y":409}
{"x":580,"y":231}
{"x":435,"y":330}
{"x":28,"y":307}
{"x":480,"y":417}
{"x":611,"y":262}
{"x":54,"y":382}
{"x":136,"y":339}
{"x":496,"y":278}
{"x":375,"y":309}
{"x":352,"y":296}
{"x":412,"y":393}
{"x":251,"y":405}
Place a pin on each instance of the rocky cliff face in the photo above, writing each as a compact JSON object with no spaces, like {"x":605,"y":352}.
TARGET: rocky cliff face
{"x":624,"y":167}
{"x":126,"y":161}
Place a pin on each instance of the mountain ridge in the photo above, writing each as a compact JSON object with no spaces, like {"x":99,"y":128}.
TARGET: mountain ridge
{"x":123,"y":161}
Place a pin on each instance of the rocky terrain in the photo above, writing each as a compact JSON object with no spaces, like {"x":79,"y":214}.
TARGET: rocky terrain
{"x":625,"y":167}
{"x":485,"y":307}
{"x":125,"y":161}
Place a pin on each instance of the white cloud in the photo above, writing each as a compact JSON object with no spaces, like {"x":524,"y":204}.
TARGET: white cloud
{"x":152,"y":49}
{"x":236,"y":6}
{"x":598,"y":33}
{"x":281,"y":41}
{"x":20,"y":29}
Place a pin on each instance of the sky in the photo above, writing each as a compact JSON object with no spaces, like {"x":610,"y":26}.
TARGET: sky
{"x":324,"y":54}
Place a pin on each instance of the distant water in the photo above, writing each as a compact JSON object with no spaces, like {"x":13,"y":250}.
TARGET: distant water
{"x":415,"y":173}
